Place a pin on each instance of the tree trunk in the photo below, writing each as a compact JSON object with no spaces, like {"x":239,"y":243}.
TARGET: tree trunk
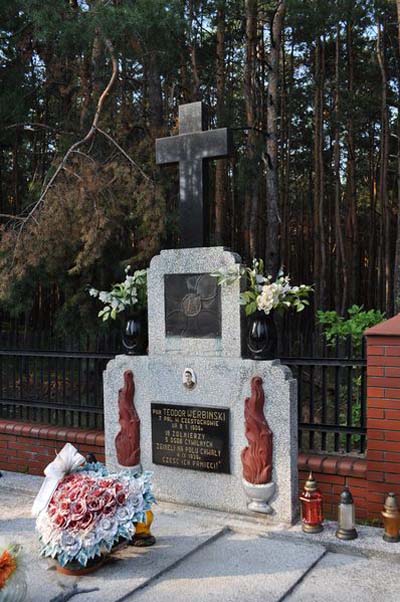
{"x":154,"y":94}
{"x":221,"y":182}
{"x":97,"y":66}
{"x":86,"y":91}
{"x":396,"y":274}
{"x":373,"y":271}
{"x":341,"y":267}
{"x":272,"y":188}
{"x":285,"y":143}
{"x":193,"y":53}
{"x":251,"y":190}
{"x":383,"y":175}
{"x":351,"y":190}
{"x":318,"y":185}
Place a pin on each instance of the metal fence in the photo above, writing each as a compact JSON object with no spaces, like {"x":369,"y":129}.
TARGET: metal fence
{"x":54,"y":387}
{"x":61,"y":382}
{"x":331,"y":397}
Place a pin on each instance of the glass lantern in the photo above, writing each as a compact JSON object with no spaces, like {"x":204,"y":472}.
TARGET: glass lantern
{"x":346,"y":516}
{"x":391,"y":519}
{"x":311,"y":507}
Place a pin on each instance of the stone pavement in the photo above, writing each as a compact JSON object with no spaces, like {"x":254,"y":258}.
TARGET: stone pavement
{"x":204,"y":556}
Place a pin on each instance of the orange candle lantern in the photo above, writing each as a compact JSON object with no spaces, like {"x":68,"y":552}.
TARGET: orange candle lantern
{"x":391,"y":519}
{"x":311,"y":507}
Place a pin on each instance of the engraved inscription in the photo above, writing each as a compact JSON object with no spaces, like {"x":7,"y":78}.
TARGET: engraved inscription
{"x":192,"y":306}
{"x":193,"y":437}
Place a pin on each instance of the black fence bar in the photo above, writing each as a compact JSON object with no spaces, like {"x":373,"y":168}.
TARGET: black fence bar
{"x":57,"y":354}
{"x":63,"y":388}
{"x":332,"y":397}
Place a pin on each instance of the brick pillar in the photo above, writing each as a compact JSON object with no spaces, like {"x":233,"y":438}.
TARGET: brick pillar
{"x":383,"y":413}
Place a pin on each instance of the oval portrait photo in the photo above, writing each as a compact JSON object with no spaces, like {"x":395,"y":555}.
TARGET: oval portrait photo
{"x":189,"y":378}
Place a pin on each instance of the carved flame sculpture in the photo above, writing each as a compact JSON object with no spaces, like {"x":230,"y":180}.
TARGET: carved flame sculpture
{"x":127,"y":442}
{"x":257,"y":456}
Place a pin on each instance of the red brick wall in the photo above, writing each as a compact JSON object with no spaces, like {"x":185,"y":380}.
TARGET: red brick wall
{"x":30,"y":447}
{"x":332,"y":473}
{"x":383,"y":415}
{"x":370,"y":480}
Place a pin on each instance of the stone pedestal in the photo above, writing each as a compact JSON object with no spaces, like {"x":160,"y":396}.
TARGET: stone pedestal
{"x":222,"y":381}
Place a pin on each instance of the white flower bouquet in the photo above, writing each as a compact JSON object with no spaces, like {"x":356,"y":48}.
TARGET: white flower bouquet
{"x":126,"y":295}
{"x":262,"y":292}
{"x":90,"y":511}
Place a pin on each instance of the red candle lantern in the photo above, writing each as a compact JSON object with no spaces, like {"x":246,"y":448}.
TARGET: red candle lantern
{"x":311,"y":507}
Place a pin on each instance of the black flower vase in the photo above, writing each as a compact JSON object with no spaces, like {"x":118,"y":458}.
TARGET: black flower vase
{"x":261,"y":336}
{"x":134,"y":334}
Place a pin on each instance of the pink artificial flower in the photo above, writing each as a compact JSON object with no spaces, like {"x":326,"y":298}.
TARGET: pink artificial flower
{"x":75,"y":493}
{"x":95,"y":503}
{"x":63,"y":507}
{"x":87,"y":520}
{"x":121,"y":498}
{"x":109,"y":508}
{"x":60,"y":521}
{"x":105,"y":483}
{"x":107,"y":497}
{"x":52,"y":510}
{"x":78,"y":510}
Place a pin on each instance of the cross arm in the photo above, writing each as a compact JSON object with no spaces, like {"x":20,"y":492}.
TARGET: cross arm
{"x":192,"y":146}
{"x":168,"y":150}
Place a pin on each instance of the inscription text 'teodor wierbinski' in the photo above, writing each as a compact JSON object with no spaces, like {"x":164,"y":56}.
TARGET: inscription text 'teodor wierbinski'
{"x":194,"y":437}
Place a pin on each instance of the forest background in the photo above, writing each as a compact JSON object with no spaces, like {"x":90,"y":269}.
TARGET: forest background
{"x":311,"y":92}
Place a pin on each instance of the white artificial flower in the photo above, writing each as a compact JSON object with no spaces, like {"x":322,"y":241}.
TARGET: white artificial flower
{"x":106,"y":529}
{"x":93,"y":292}
{"x":44,"y":527}
{"x":104,"y":297}
{"x":122,"y":514}
{"x":70,"y":543}
{"x":89,"y":540}
{"x":140,"y":273}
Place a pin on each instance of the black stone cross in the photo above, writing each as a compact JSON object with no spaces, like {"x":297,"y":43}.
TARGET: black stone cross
{"x":189,"y":149}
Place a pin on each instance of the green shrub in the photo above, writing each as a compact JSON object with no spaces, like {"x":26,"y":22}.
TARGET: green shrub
{"x":335,"y":325}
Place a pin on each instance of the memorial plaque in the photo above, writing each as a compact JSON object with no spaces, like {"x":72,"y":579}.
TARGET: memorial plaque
{"x":194,"y":437}
{"x":192,"y":306}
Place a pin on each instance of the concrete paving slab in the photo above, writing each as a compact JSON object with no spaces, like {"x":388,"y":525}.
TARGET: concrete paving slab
{"x":369,"y":542}
{"x":128,"y":569}
{"x":204,"y":555}
{"x":27,"y":483}
{"x":343,"y":577}
{"x":235,"y":567}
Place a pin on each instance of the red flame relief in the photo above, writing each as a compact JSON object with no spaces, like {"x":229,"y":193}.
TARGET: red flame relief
{"x":257,"y":456}
{"x":127,"y":442}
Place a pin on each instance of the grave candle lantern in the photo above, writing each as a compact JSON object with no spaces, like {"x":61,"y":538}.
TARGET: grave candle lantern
{"x":391,"y":519}
{"x":346,"y":516}
{"x":311,"y":507}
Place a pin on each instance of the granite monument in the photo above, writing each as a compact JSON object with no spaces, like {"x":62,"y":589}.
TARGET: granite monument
{"x":217,"y":430}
